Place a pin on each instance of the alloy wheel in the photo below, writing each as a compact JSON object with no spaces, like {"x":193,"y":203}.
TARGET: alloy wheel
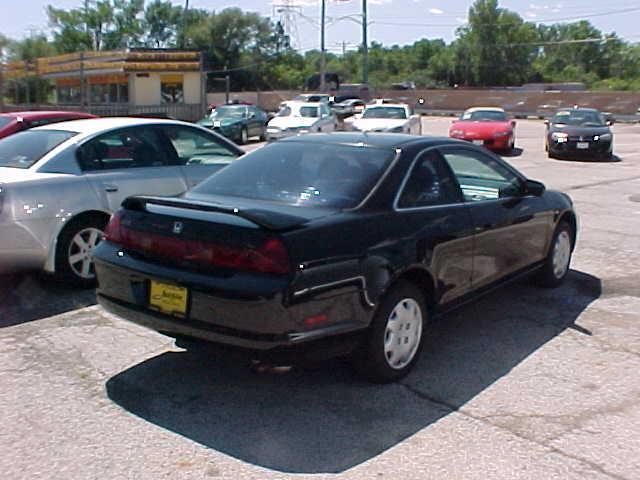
{"x":80,"y":254}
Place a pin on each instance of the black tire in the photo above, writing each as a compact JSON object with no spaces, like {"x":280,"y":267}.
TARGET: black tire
{"x":244,"y":137}
{"x":370,"y":360}
{"x":549,"y":276}
{"x":263,"y":136}
{"x":65,"y":248}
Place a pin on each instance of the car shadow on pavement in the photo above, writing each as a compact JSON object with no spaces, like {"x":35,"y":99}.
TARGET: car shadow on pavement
{"x":31,"y":296}
{"x":327,"y":420}
{"x":515,"y":152}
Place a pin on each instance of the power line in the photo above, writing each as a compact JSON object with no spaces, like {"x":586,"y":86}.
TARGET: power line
{"x":541,"y":20}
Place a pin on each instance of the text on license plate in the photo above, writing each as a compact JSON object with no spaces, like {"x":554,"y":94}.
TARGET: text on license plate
{"x":166,"y":298}
{"x":478,"y":142}
{"x":582,"y":145}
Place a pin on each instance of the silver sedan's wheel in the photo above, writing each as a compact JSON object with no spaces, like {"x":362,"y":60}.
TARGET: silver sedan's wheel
{"x":561,"y":254}
{"x":403,"y":333}
{"x":80,"y":254}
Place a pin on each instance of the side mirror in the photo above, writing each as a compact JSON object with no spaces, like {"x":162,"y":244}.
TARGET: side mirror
{"x":533,"y":187}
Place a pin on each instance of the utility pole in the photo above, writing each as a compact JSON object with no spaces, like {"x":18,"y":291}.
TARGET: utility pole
{"x":183,"y":40}
{"x":365,"y":44}
{"x":323,"y":64}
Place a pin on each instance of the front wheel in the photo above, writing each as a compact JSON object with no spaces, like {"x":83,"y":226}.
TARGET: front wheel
{"x":395,"y":337}
{"x":556,"y":265}
{"x":74,"y":251}
{"x":244,"y":136}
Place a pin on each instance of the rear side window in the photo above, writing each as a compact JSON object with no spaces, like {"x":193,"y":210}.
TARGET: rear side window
{"x":429,"y":184}
{"x":194,"y":147}
{"x":302,"y":174}
{"x":130,"y":148}
{"x":25,"y":148}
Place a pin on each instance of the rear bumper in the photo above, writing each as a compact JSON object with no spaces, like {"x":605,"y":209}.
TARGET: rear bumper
{"x":246,"y":312}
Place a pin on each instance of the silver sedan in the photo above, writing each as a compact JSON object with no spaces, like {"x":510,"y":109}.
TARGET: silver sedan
{"x":59,"y":184}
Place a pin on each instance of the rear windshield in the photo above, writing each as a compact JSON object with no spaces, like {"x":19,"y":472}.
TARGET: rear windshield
{"x":5,"y":121}
{"x":332,"y":176}
{"x":25,"y":148}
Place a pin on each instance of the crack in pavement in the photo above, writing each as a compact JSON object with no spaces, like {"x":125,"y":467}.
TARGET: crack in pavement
{"x":442,"y":403}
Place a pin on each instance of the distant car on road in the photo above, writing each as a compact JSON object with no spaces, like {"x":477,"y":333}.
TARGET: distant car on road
{"x":486,"y":126}
{"x":301,"y":117}
{"x":60,"y":183}
{"x":579,"y":133}
{"x":333,"y":244}
{"x":237,"y":122}
{"x":14,"y":122}
{"x":386,"y":117}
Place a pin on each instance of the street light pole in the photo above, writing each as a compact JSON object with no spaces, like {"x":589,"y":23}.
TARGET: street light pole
{"x":323,"y":64}
{"x":183,"y":40}
{"x":365,"y":45}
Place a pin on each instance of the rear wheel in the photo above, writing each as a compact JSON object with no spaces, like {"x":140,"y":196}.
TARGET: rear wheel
{"x":395,"y":337}
{"x":556,"y":265}
{"x":74,"y":251}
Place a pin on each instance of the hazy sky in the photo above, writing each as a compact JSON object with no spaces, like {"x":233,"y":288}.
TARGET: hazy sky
{"x":392,"y":21}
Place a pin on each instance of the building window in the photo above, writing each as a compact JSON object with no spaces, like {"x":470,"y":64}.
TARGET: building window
{"x":171,"y":89}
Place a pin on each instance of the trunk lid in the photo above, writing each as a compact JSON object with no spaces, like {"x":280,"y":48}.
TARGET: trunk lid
{"x":209,"y":235}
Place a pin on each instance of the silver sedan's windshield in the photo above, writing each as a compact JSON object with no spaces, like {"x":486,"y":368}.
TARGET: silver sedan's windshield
{"x":25,"y":148}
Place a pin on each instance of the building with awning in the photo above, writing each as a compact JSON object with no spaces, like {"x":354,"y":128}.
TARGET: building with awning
{"x":134,"y":81}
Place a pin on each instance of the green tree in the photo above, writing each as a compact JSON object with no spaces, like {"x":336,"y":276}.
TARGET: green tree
{"x":161,"y":23}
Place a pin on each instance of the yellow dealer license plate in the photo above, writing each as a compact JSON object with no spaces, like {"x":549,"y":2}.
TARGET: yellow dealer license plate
{"x":167,"y":298}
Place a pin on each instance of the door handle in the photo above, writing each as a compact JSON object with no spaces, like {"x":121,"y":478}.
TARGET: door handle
{"x":110,"y":188}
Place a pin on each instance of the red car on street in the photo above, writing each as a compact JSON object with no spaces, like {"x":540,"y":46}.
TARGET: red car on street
{"x":485,"y":126}
{"x":14,"y":122}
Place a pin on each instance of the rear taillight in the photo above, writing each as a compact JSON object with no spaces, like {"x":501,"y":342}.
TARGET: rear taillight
{"x":112,"y":230}
{"x":269,"y":257}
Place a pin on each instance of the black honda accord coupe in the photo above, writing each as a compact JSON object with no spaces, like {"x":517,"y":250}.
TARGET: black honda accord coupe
{"x":333,"y":244}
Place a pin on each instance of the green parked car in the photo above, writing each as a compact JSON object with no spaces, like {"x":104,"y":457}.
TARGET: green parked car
{"x":237,"y":122}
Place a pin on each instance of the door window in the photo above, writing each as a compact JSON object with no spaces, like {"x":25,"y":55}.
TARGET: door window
{"x":429,"y":184}
{"x":129,"y":148}
{"x":198,"y":148}
{"x":481,"y":177}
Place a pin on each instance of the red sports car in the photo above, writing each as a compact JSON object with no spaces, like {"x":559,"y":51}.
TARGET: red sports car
{"x":14,"y":122}
{"x":485,"y":126}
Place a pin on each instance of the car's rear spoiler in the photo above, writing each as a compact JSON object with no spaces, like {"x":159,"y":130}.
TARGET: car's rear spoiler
{"x":267,"y":219}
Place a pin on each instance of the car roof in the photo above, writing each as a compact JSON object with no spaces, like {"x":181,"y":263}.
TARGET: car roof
{"x":376,"y":140}
{"x":300,"y":103}
{"x":387,"y":105}
{"x":34,"y":114}
{"x":579,"y":109}
{"x":486,"y":109}
{"x":97,"y":125}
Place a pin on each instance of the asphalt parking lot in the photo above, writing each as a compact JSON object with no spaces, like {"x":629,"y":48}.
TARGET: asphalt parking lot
{"x":527,"y":383}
